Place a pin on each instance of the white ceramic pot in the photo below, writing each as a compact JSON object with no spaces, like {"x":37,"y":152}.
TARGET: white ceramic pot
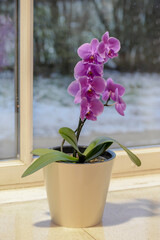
{"x":77,"y":192}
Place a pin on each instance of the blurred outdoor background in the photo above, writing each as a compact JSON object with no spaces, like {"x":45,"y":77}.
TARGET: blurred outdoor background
{"x":60,"y":27}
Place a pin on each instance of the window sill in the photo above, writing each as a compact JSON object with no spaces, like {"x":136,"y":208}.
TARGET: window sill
{"x":116,"y":184}
{"x":128,"y":213}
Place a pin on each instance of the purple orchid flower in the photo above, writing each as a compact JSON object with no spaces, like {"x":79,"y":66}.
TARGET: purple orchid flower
{"x":88,"y":52}
{"x":110,"y":90}
{"x":89,"y":84}
{"x":86,"y":87}
{"x":120,"y":105}
{"x":88,"y":69}
{"x":90,"y":110}
{"x":108,"y":47}
{"x":89,"y":88}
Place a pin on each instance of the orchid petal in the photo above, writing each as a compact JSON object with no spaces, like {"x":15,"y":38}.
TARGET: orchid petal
{"x":114,"y":44}
{"x":84,"y":92}
{"x":96,"y":69}
{"x":98,"y":84}
{"x":84,"y":108}
{"x":84,"y":51}
{"x":101,"y":48}
{"x":121,"y":89}
{"x":73,"y":88}
{"x":105,"y":96}
{"x":78,"y":97}
{"x":83,"y":81}
{"x":120,"y":105}
{"x":79,"y":70}
{"x":101,"y":59}
{"x":96,"y":106}
{"x":90,"y":116}
{"x":105,"y":37}
{"x":94,"y":44}
{"x":119,"y":108}
{"x":111,"y":86}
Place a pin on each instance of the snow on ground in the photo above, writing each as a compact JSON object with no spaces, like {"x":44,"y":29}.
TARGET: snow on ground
{"x":54,"y":108}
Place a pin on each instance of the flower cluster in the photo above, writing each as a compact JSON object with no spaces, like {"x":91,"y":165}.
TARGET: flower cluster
{"x":90,"y":89}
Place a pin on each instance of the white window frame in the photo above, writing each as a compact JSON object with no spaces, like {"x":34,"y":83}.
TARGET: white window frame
{"x":11,"y":170}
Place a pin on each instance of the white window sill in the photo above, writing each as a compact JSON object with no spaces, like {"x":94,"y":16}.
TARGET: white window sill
{"x":131,"y":213}
{"x":116,"y":184}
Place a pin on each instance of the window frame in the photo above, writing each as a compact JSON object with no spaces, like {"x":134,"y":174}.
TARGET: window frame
{"x":11,"y":170}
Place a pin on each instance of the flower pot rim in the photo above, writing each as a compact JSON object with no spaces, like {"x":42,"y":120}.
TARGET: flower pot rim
{"x":108,"y":155}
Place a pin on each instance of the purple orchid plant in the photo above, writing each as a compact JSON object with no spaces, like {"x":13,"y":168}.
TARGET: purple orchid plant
{"x":93,"y":93}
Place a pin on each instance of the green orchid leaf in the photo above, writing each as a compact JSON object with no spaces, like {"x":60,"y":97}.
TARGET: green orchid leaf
{"x":69,"y":135}
{"x":132,"y":156}
{"x":99,"y":145}
{"x":96,"y":148}
{"x":41,"y":151}
{"x":48,"y":158}
{"x":93,"y":144}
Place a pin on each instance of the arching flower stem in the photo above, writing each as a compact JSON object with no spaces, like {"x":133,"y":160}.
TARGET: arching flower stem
{"x":78,"y":130}
{"x":106,"y":104}
{"x":80,"y":126}
{"x":109,"y":105}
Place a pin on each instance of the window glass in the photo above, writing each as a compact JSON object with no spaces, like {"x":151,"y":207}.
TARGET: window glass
{"x":8,"y":79}
{"x":60,"y":27}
